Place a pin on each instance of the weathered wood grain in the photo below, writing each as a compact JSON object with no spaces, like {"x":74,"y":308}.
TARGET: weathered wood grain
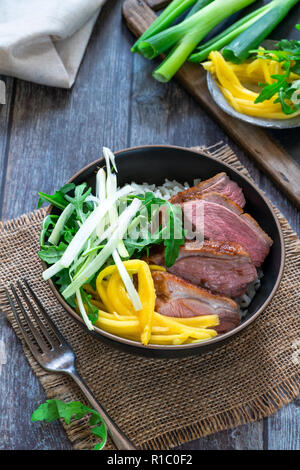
{"x":5,"y":129}
{"x":157,"y":4}
{"x":272,"y":158}
{"x":52,"y":134}
{"x":55,"y":132}
{"x":283,"y":428}
{"x":21,"y":393}
{"x":247,"y":437}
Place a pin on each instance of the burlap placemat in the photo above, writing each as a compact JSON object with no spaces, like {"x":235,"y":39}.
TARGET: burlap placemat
{"x":162,"y":403}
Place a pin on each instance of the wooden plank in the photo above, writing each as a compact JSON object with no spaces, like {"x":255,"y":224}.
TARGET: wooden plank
{"x":6,"y":111}
{"x":157,"y":4}
{"x":24,"y":393}
{"x":247,"y":437}
{"x":283,"y":428}
{"x":271,"y":157}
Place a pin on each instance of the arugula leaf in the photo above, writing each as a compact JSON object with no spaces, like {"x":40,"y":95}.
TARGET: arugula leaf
{"x":92,"y":311}
{"x":79,"y":199}
{"x":171,"y":234}
{"x":62,"y":279}
{"x":52,"y":253}
{"x":47,"y":226}
{"x":287,"y":53}
{"x":52,"y":410}
{"x":58,"y":199}
{"x":176,"y":235}
{"x":272,"y":89}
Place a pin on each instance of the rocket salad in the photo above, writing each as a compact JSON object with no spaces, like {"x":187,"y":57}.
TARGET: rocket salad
{"x":92,"y":231}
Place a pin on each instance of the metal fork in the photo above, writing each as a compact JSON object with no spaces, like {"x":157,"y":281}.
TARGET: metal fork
{"x":54,"y":354}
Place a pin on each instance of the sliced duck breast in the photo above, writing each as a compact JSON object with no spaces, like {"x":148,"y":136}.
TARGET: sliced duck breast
{"x":222,"y":267}
{"x":223,"y":224}
{"x":220,"y":183}
{"x":181,"y":299}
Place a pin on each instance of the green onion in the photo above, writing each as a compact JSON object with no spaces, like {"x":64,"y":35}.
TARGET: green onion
{"x":168,"y":16}
{"x":63,"y":218}
{"x":239,"y":49}
{"x":224,"y":38}
{"x":198,"y":6}
{"x":187,"y":34}
{"x":97,"y":263}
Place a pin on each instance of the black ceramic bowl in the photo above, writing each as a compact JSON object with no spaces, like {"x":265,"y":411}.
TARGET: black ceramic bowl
{"x":152,"y":164}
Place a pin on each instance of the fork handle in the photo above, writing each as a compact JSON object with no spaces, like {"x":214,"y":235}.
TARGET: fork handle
{"x":118,"y":437}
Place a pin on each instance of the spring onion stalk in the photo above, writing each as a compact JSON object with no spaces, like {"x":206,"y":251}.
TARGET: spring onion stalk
{"x":187,"y":34}
{"x":239,"y":49}
{"x":129,"y":286}
{"x":198,"y":6}
{"x":163,"y":21}
{"x":52,"y":271}
{"x":89,"y":226}
{"x":111,"y":189}
{"x":192,"y":29}
{"x":63,"y":218}
{"x":108,"y":154}
{"x":100,"y":184}
{"x":101,"y":194}
{"x":97,"y":263}
{"x":85,"y":231}
{"x":225,"y":37}
{"x":86,"y":319}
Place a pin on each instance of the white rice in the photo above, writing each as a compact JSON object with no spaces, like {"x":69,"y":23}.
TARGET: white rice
{"x":171,"y":188}
{"x":165,"y":191}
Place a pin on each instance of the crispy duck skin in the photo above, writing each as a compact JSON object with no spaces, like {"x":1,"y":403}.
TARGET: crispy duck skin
{"x":222,"y":267}
{"x":220,"y":183}
{"x":178,"y":298}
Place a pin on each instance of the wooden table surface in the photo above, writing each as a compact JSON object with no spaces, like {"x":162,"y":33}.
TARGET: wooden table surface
{"x":47,"y":134}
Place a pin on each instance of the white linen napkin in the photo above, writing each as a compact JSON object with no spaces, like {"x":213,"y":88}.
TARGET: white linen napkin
{"x":43,"y":41}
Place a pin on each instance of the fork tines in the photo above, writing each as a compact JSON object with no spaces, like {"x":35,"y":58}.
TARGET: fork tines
{"x":40,"y":336}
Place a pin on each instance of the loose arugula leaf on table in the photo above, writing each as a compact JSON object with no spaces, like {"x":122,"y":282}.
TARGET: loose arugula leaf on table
{"x":52,"y":410}
{"x":58,"y":199}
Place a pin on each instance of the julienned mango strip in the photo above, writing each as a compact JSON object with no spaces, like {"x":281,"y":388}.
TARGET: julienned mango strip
{"x":146,"y":325}
{"x":145,"y":289}
{"x":241,"y":98}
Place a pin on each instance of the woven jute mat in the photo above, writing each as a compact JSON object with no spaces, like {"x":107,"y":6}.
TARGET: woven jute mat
{"x":162,"y":403}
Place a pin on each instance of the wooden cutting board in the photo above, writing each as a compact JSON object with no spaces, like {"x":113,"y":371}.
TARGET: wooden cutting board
{"x":271,"y":157}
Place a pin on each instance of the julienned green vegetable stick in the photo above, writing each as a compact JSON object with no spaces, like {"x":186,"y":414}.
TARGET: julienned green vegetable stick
{"x":168,"y":16}
{"x":84,"y":233}
{"x":81,"y":307}
{"x":62,"y":220}
{"x":240,"y":48}
{"x":219,"y":41}
{"x":187,"y":34}
{"x":97,"y":263}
